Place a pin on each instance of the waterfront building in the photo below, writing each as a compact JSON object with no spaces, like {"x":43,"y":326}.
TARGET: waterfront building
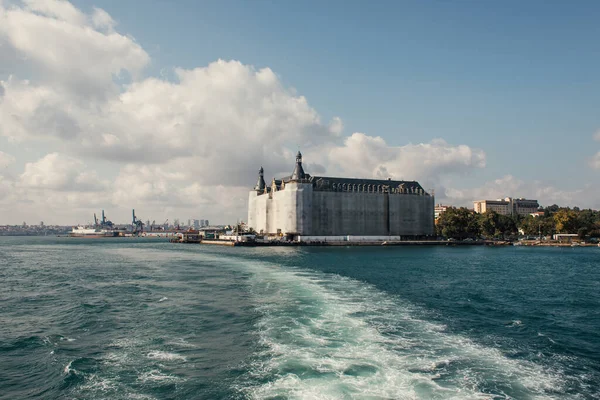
{"x":323,"y":206}
{"x":439,"y":210}
{"x":507,"y":206}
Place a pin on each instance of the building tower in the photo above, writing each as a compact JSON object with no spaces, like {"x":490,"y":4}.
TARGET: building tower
{"x":298,"y":170}
{"x":260,"y":185}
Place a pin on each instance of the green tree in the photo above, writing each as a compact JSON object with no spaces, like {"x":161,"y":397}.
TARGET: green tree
{"x":530,"y":225}
{"x":458,"y":223}
{"x":507,"y":226}
{"x":494,"y":225}
{"x":488,"y":223}
{"x":566,"y":221}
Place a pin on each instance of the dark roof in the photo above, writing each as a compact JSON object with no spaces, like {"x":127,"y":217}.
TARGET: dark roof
{"x":260,"y":185}
{"x":298,"y":170}
{"x":327,"y":182}
{"x":333,"y":183}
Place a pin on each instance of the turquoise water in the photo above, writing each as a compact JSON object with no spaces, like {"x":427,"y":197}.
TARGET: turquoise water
{"x":146,"y":319}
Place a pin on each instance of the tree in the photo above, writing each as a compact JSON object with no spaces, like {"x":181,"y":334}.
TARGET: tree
{"x":530,"y":225}
{"x":494,"y":225}
{"x":566,"y":221}
{"x":507,"y":226}
{"x":488,"y":223}
{"x":458,"y":223}
{"x":551,"y":209}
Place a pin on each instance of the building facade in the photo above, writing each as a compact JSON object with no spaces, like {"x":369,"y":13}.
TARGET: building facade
{"x":507,"y":206}
{"x":439,"y":210}
{"x":305,"y":205}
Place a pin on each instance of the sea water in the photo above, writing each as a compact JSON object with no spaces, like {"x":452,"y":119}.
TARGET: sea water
{"x":147,"y":319}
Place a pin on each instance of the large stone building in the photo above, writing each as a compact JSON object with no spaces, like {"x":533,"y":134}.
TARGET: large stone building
{"x":305,"y":205}
{"x":507,"y":206}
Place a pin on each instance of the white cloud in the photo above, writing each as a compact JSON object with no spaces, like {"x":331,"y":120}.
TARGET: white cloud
{"x":597,"y":136}
{"x":368,"y":156}
{"x":336,"y":126}
{"x":60,"y":9}
{"x":192,"y":143}
{"x":5,"y":159}
{"x":62,"y":173}
{"x":509,"y":186}
{"x":595,"y":161}
{"x":6,"y":188}
{"x":63,"y":46}
{"x":102,"y":20}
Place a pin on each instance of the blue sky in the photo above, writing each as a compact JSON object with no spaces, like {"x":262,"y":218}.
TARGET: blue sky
{"x":513,"y":83}
{"x":517,"y":79}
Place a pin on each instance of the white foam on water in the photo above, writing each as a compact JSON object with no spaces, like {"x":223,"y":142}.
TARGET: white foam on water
{"x":68,"y":368}
{"x":139,"y":396}
{"x":125,"y":343}
{"x":158,"y":376}
{"x":163,"y":299}
{"x":117,"y":358}
{"x":326,"y":336}
{"x":181,"y":343}
{"x":165,"y":356}
{"x":96,"y":384}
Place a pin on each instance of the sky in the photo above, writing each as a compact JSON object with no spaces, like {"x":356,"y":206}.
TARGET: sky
{"x":171,"y":107}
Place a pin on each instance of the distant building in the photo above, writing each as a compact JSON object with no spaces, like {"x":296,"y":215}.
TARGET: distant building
{"x":196,"y":224}
{"x":323,"y":206}
{"x":524,"y":206}
{"x":439,"y":210}
{"x":507,"y":206}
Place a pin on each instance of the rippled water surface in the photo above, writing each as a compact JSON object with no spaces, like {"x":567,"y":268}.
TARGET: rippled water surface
{"x":146,"y":319}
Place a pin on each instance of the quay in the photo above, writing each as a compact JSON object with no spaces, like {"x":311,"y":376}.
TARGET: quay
{"x":272,"y":243}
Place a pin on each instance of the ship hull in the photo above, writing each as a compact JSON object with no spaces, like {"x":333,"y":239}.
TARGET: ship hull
{"x":93,"y":235}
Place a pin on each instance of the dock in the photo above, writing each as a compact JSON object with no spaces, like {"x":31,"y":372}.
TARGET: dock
{"x":273,"y":243}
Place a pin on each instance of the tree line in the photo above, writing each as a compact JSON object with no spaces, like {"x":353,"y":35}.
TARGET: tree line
{"x":462,"y":223}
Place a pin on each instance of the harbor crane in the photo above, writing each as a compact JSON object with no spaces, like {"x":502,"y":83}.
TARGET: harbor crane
{"x":136,"y":224}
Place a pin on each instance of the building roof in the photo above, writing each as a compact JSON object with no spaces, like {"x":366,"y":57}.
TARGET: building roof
{"x":260,"y":185}
{"x":327,"y":182}
{"x":298,"y":170}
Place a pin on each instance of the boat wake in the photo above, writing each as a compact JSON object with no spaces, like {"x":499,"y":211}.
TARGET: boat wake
{"x":326,"y":336}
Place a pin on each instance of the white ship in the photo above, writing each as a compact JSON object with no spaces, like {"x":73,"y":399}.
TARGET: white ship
{"x":100,"y":229}
{"x":82,"y":231}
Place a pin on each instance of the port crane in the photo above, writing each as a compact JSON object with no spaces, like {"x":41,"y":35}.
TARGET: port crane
{"x":136,"y":224}
{"x":104,"y":222}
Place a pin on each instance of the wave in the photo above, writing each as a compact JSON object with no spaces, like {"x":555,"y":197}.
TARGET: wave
{"x":328,"y":336}
{"x":157,"y":376}
{"x":165,"y":356}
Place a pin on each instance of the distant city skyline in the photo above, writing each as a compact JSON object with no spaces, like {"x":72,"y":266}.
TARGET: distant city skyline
{"x":172,"y":107}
